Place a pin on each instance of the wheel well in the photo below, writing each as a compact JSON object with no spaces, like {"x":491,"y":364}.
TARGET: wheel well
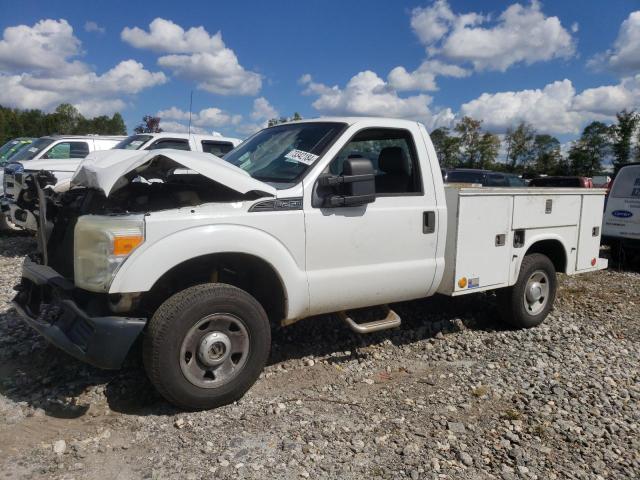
{"x":552,"y":249}
{"x":252,"y":274}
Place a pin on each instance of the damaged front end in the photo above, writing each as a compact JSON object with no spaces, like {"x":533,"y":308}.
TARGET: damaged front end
{"x":87,"y":232}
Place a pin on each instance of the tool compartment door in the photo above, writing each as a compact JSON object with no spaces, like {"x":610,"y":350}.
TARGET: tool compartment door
{"x":589,"y":233}
{"x":484,"y":241}
{"x":544,"y":211}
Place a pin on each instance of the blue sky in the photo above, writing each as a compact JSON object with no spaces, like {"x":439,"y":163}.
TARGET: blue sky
{"x":555,"y":64}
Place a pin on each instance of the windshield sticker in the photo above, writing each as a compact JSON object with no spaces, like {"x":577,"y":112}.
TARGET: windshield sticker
{"x":33,"y":149}
{"x":301,"y":156}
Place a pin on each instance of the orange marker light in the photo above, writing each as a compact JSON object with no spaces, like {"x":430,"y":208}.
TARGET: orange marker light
{"x":462,"y":283}
{"x":126,"y":245}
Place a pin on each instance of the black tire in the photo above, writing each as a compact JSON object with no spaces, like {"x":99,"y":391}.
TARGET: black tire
{"x":513,"y":303}
{"x":177,"y":317}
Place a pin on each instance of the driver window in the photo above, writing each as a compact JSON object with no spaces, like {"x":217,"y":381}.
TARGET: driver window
{"x":393,"y":156}
{"x":64,"y":150}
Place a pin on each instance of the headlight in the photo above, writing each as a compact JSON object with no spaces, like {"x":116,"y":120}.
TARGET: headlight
{"x":101,"y":245}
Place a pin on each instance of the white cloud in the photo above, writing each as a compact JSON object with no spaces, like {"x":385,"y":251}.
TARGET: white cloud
{"x":520,"y":34}
{"x":196,"y":55}
{"x":609,"y":99}
{"x":40,"y":71}
{"x":424,"y":77}
{"x":556,"y":108}
{"x":624,"y":57}
{"x":207,"y":117}
{"x":91,"y":26}
{"x":45,"y":48}
{"x":431,"y":23}
{"x":368,"y":94}
{"x":263,"y":110}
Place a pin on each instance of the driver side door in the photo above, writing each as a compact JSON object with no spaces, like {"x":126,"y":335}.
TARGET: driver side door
{"x":383,"y":251}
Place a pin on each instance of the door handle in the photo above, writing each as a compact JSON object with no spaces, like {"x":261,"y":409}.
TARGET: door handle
{"x":428,"y":222}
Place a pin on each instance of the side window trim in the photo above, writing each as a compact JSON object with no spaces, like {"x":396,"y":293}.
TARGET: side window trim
{"x":170,"y":139}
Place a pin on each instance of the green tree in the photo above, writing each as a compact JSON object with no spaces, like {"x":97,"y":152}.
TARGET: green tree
{"x":547,"y":154}
{"x":488,"y":150}
{"x":468,"y":129}
{"x":520,"y":146}
{"x":588,"y":152}
{"x":621,"y":135}
{"x":447,"y":147}
{"x":67,"y":118}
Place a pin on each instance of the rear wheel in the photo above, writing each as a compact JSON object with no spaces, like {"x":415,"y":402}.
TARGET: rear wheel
{"x":206,"y":346}
{"x":528,"y":302}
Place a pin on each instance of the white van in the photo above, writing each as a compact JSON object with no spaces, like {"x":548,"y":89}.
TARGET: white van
{"x":621,"y":229}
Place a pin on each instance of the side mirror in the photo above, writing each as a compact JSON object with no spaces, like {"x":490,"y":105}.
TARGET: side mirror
{"x":356,"y":186}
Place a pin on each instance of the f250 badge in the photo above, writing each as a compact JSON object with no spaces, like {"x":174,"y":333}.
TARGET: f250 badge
{"x":622,"y":213}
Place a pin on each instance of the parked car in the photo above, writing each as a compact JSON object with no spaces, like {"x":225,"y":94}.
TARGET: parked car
{"x":9,"y":150}
{"x":214,"y":144}
{"x":23,"y":209}
{"x":58,"y":154}
{"x":206,"y":263}
{"x":486,"y":178}
{"x":561,"y":182}
{"x":12,"y":147}
{"x":621,"y":227}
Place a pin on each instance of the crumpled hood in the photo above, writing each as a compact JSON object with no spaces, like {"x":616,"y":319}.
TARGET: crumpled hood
{"x":59,"y":165}
{"x":105,"y":170}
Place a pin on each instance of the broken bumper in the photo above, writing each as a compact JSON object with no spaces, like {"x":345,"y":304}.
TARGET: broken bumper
{"x":44,"y":301}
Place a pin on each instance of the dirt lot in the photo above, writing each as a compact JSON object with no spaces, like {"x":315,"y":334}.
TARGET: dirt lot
{"x":451,"y":394}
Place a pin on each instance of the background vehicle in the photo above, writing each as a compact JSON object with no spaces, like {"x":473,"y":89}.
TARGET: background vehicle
{"x":12,"y":147}
{"x":58,"y":154}
{"x":561,"y":182}
{"x":204,"y":263}
{"x":486,"y":178}
{"x":621,"y":227}
{"x":22,"y":209}
{"x":215,"y":144}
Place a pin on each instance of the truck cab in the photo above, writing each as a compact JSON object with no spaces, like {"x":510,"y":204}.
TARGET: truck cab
{"x":331,"y":215}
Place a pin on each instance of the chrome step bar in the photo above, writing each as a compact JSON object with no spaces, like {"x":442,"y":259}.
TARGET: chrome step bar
{"x":392,"y":320}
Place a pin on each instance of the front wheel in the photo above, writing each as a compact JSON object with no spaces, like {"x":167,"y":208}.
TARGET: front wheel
{"x":206,"y":345}
{"x":527,"y":303}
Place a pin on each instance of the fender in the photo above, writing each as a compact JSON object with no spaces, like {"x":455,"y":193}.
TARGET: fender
{"x":153,"y":259}
{"x":563,"y":235}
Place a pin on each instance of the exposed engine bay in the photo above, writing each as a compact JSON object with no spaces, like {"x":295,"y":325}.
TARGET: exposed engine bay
{"x":159,"y":184}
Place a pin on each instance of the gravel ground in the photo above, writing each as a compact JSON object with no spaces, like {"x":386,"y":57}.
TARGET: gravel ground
{"x":451,"y":394}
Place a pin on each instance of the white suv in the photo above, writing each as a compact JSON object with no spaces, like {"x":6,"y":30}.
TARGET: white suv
{"x":214,"y":144}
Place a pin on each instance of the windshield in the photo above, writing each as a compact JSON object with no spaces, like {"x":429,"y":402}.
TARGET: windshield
{"x":35,"y":148}
{"x":281,"y":154}
{"x":134,"y":142}
{"x":8,"y":146}
{"x":627,"y":183}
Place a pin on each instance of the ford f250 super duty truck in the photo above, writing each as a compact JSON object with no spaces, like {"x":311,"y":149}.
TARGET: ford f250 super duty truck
{"x":303,"y":218}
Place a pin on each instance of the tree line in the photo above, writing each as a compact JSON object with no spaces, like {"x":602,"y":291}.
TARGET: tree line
{"x":64,"y":120}
{"x":527,"y":151}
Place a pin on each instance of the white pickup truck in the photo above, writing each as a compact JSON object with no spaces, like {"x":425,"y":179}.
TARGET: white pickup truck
{"x":61,"y":156}
{"x":304,"y":218}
